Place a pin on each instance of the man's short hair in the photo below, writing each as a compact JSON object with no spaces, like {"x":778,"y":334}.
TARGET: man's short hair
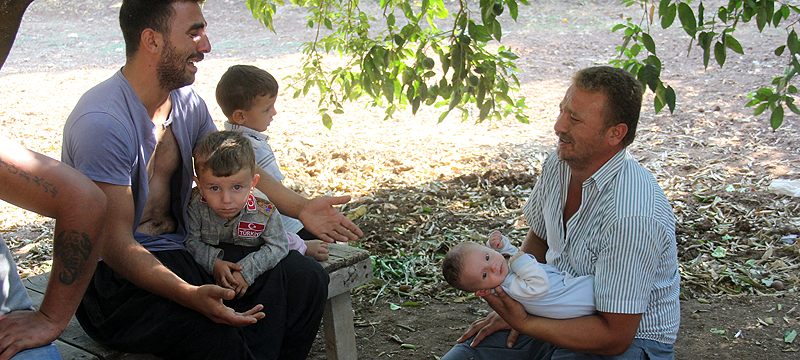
{"x":137,"y":15}
{"x":240,"y":85}
{"x":623,"y":95}
{"x":225,"y":153}
{"x":453,"y":263}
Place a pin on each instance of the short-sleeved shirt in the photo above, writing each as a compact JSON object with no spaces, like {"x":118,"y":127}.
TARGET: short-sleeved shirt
{"x":255,"y":226}
{"x":110,"y":137}
{"x":266,"y":160}
{"x":623,"y":234}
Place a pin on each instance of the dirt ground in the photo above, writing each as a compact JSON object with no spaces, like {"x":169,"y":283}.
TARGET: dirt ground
{"x":711,"y":147}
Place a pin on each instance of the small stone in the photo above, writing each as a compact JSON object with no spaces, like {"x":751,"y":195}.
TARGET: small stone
{"x":778,"y":285}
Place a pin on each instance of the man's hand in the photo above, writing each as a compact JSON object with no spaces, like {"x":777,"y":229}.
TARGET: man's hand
{"x":223,"y":274}
{"x":207,"y":300}
{"x":321,"y":218}
{"x":20,"y":330}
{"x":486,"y":326}
{"x":510,"y":310}
{"x":241,"y":283}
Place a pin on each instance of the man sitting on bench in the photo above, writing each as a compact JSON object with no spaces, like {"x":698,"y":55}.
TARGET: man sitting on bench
{"x":148,"y":294}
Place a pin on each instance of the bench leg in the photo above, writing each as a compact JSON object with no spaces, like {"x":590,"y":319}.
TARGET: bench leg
{"x":340,"y":335}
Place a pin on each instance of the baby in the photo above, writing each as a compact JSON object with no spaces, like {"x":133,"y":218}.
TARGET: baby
{"x":542,"y":289}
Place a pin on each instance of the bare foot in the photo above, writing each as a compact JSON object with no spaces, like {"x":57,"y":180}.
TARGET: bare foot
{"x":317,"y":249}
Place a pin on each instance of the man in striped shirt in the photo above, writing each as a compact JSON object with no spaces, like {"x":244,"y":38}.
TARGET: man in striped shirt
{"x":594,"y":211}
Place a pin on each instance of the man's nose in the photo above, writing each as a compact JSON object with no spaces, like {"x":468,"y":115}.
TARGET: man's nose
{"x":560,"y":125}
{"x":204,"y":45}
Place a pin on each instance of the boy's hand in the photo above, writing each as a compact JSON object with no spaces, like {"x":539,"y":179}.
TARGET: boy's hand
{"x":241,"y":284}
{"x":326,"y":222}
{"x":223,"y":273}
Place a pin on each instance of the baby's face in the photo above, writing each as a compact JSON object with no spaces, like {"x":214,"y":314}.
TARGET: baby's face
{"x":482,"y":268}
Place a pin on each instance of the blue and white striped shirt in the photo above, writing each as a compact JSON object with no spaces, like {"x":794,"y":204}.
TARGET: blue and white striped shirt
{"x":623,"y":234}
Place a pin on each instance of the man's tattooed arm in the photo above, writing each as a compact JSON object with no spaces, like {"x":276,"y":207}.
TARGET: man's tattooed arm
{"x":72,"y":249}
{"x":46,"y":186}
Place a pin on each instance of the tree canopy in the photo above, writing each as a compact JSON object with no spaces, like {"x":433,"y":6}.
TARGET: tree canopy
{"x":713,"y":32}
{"x":451,"y":55}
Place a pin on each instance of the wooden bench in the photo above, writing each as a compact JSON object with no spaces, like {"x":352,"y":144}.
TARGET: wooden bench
{"x":347,"y":267}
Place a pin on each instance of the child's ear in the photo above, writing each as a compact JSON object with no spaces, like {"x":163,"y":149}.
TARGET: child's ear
{"x":238,"y":117}
{"x":256,"y":177}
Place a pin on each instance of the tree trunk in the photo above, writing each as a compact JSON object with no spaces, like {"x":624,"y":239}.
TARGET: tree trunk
{"x":11,"y":12}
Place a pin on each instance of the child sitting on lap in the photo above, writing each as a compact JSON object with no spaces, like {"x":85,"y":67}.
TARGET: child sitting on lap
{"x":232,"y":234}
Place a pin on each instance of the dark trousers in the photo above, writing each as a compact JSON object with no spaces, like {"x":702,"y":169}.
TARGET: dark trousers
{"x":122,"y":316}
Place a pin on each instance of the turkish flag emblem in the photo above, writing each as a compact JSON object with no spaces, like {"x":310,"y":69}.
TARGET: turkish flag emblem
{"x":250,"y":229}
{"x":251,"y":203}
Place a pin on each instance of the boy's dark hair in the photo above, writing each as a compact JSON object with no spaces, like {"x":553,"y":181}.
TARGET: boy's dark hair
{"x":452,"y":264}
{"x":224,"y":153}
{"x":240,"y":85}
{"x":623,"y":95}
{"x":137,"y":15}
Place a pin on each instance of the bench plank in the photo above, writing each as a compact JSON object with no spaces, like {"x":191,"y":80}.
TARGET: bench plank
{"x":348,"y":267}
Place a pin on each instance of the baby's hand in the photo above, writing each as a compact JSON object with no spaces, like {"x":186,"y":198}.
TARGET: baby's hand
{"x":496,"y":240}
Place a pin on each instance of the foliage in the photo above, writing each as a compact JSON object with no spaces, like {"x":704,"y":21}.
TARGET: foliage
{"x":713,"y":32}
{"x":407,"y":56}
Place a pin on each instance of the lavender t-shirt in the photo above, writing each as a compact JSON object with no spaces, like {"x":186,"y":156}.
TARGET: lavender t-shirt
{"x":109,"y":137}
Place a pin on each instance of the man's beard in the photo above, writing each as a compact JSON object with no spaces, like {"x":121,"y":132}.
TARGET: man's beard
{"x":171,"y":69}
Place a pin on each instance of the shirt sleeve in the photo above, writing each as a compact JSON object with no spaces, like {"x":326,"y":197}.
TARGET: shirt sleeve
{"x":529,"y":278}
{"x":111,"y":160}
{"x":274,"y":249}
{"x":203,"y":253}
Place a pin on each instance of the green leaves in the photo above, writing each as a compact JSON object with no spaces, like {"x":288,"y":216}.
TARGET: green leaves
{"x":686,"y":15}
{"x":648,"y":69}
{"x":714,"y":36}
{"x":391,"y":59}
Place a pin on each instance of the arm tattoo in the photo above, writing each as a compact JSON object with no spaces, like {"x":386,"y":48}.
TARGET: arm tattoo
{"x":41,"y":182}
{"x":73,"y":249}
